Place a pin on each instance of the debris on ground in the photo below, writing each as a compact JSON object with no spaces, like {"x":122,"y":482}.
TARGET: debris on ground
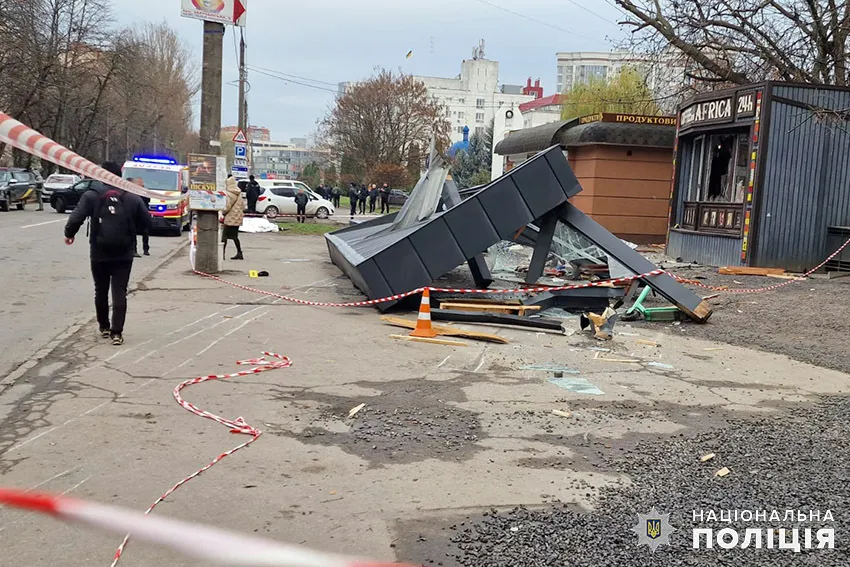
{"x":550,"y":367}
{"x":355,"y":410}
{"x":602,"y":325}
{"x":706,"y":458}
{"x":497,"y":319}
{"x":427,"y":340}
{"x":722,"y":472}
{"x":648,"y":343}
{"x":749,"y":271}
{"x":576,"y":385}
{"x":491,"y":307}
{"x":446,"y":331}
{"x":561,"y":413}
{"x":660,"y":365}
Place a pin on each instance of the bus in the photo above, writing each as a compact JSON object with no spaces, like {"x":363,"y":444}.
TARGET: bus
{"x":163,"y":175}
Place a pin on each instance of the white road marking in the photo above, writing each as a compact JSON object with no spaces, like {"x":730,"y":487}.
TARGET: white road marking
{"x":445,"y":360}
{"x":227,"y":334}
{"x":43,"y":223}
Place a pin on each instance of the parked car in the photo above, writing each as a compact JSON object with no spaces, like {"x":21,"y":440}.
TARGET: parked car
{"x":57,"y":181}
{"x":17,"y":185}
{"x":280,"y":200}
{"x":66,"y":199}
{"x":397,"y":197}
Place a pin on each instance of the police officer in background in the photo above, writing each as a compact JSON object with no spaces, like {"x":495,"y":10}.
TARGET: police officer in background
{"x":252,"y":192}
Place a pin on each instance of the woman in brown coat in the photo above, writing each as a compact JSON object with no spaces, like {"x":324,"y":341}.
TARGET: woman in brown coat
{"x":233,"y":214}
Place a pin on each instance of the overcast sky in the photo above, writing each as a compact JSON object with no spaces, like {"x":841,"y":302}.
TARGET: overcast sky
{"x":329,"y":41}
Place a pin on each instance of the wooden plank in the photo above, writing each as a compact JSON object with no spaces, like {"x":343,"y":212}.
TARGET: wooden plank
{"x":748,"y":271}
{"x":446,"y":331}
{"x":427,"y":340}
{"x":490,"y":307}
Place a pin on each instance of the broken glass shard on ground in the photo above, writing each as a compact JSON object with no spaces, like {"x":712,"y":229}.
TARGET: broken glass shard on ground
{"x":577,"y":385}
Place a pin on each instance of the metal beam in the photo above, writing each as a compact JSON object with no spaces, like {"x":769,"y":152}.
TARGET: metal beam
{"x":670,"y":289}
{"x":541,"y":248}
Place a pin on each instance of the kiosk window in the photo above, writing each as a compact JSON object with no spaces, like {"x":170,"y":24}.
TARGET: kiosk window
{"x":715,"y":174}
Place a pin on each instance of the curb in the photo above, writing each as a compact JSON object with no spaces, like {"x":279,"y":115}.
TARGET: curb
{"x":54,"y":343}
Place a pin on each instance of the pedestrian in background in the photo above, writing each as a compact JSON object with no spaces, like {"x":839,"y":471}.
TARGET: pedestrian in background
{"x":234,"y":213}
{"x":252,"y":192}
{"x":353,"y":198}
{"x":301,"y":204}
{"x":116,"y":217}
{"x":373,"y":196}
{"x":363,"y":197}
{"x":385,"y":198}
{"x":146,"y":237}
{"x":337,"y":194}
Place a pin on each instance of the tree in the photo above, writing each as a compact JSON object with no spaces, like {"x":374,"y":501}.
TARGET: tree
{"x":414,"y":161}
{"x":626,"y":93}
{"x":394,"y":175}
{"x":331,"y":177}
{"x":311,"y":175}
{"x":101,"y":91}
{"x":378,"y":120}
{"x":472,"y":166}
{"x":743,"y":41}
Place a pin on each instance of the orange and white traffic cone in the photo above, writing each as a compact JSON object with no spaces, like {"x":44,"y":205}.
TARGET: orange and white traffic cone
{"x":423,"y":322}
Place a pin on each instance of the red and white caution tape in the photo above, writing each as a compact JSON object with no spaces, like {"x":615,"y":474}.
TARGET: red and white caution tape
{"x":602,"y":283}
{"x":25,"y":138}
{"x":237,"y":425}
{"x":195,"y":540}
{"x":767,"y":288}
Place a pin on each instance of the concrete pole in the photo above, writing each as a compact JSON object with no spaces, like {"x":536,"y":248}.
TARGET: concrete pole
{"x":206,"y":259}
{"x":242,"y":84}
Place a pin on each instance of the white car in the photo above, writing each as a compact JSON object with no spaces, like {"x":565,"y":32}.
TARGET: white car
{"x":57,"y":181}
{"x":279,"y":199}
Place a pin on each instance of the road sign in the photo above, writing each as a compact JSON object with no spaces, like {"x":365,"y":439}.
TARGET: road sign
{"x":241,"y":162}
{"x":240,"y":138}
{"x":240,"y":150}
{"x":238,"y":169}
{"x":228,"y":12}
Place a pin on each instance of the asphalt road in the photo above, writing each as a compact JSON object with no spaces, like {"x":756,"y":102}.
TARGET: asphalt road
{"x":46,"y":285}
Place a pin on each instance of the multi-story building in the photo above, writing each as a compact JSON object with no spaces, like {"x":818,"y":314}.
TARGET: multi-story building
{"x":276,"y":160}
{"x":254,"y":133}
{"x":665,"y":75}
{"x":472,"y":98}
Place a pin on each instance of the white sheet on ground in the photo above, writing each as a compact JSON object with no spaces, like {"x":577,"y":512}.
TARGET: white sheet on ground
{"x":258,"y":224}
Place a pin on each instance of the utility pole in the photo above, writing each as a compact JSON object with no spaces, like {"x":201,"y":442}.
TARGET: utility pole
{"x":206,"y":258}
{"x":242,"y":84}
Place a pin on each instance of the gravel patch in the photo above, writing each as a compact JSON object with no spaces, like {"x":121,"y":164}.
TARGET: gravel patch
{"x":797,"y":461}
{"x":807,"y":321}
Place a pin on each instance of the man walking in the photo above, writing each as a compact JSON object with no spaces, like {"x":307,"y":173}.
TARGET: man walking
{"x":385,"y":198}
{"x":301,"y":203}
{"x":337,"y":194}
{"x":116,"y":217}
{"x":253,"y":193}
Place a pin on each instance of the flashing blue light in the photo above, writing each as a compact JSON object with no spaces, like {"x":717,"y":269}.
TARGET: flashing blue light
{"x":159,"y":160}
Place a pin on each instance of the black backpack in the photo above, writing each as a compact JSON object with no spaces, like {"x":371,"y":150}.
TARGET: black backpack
{"x":113,"y":226}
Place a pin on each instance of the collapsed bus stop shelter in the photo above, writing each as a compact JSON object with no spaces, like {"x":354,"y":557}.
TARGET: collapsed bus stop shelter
{"x":395,"y":254}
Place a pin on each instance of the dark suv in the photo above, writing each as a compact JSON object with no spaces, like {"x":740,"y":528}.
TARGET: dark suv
{"x":16,"y":187}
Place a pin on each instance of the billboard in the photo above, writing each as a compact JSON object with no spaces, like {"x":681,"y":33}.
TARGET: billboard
{"x":228,"y":12}
{"x":207,"y":175}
